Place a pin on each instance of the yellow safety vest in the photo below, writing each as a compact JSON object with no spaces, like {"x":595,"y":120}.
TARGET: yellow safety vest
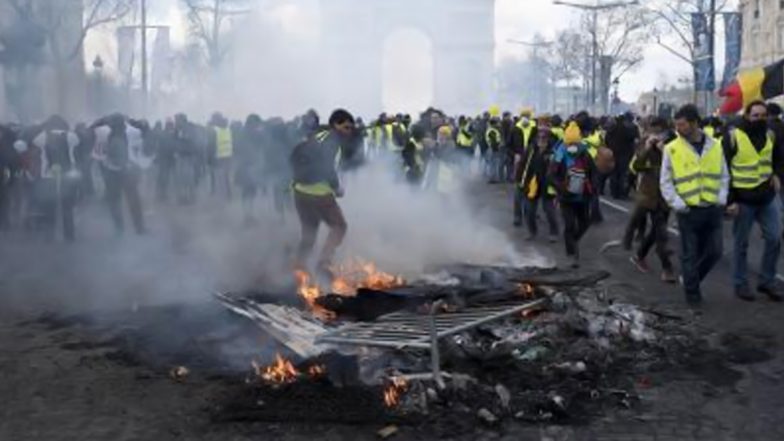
{"x":594,"y":141}
{"x":464,"y":138}
{"x":223,"y":140}
{"x":558,"y":132}
{"x":492,"y":131}
{"x":749,"y":168}
{"x":526,"y":132}
{"x":697,"y":178}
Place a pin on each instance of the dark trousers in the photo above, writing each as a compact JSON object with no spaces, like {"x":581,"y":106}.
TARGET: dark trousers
{"x":531,"y":208}
{"x":595,"y":211}
{"x":312,"y":211}
{"x":220,"y":177}
{"x":576,"y":222}
{"x":658,"y":236}
{"x":701,"y":246}
{"x":125,"y":183}
{"x":619,"y":180}
{"x":51,"y":195}
{"x":637,"y":223}
{"x":163,"y":181}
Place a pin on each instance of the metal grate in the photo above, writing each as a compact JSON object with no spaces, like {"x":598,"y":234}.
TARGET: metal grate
{"x":406,"y":330}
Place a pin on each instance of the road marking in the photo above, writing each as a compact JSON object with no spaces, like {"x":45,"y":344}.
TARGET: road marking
{"x":675,"y":232}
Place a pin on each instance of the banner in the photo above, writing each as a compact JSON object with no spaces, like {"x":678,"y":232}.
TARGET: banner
{"x":126,"y":41}
{"x":733,"y":28}
{"x":704,"y":76}
{"x":161,"y":60}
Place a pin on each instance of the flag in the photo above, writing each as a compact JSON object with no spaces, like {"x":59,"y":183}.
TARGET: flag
{"x":161,"y":59}
{"x":126,"y":40}
{"x":732,"y":36}
{"x":760,"y":83}
{"x":704,"y":78}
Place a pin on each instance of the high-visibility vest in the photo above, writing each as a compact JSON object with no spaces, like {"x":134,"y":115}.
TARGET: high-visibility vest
{"x":464,"y":138}
{"x":526,"y":132}
{"x":558,"y":132}
{"x":697,"y":178}
{"x":711,"y":131}
{"x":594,"y":141}
{"x":492,"y":131}
{"x":223,"y":141}
{"x":749,"y":168}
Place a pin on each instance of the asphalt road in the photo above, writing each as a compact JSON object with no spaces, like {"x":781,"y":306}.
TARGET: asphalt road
{"x":56,"y":387}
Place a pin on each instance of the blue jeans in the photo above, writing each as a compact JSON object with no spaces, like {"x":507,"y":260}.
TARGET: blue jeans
{"x":769,"y":218}
{"x":701,"y":246}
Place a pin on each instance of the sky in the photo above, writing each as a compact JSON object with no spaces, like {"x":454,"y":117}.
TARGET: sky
{"x":515,"y":19}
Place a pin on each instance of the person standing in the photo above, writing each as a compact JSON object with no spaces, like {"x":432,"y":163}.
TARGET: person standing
{"x":649,"y":202}
{"x":221,"y":151}
{"x":754,"y":155}
{"x":55,"y":176}
{"x":533,"y":186}
{"x":695,"y":183}
{"x":121,"y":174}
{"x":572,"y":172}
{"x":317,"y":187}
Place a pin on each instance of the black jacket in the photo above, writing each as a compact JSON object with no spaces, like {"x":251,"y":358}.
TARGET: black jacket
{"x":313,"y":160}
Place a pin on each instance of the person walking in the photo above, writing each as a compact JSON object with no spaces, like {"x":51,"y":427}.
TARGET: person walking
{"x":572,"y":172}
{"x":754,"y":154}
{"x":695,"y":183}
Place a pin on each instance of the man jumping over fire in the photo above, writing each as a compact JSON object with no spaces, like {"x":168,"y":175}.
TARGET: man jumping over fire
{"x":317,"y":186}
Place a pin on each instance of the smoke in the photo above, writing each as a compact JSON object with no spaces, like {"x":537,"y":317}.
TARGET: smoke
{"x":406,"y":229}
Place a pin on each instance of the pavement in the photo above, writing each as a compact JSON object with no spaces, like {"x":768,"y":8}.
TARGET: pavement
{"x":55,"y":387}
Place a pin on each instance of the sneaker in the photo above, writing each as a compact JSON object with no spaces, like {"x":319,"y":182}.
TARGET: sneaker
{"x":517,"y":223}
{"x":574,"y":262}
{"x":771,"y":292}
{"x":668,"y":276}
{"x":553,"y":238}
{"x":743,"y":293}
{"x":640,"y":264}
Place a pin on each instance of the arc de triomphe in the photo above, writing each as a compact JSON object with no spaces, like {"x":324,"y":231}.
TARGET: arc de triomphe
{"x":463,"y":43}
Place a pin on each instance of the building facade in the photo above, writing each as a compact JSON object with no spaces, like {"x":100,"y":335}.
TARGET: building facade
{"x":763,"y":32}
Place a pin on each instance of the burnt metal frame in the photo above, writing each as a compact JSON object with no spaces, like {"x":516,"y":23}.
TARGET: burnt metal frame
{"x":401,"y":330}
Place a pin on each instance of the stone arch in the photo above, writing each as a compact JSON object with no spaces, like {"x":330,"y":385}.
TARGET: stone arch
{"x":462,"y":36}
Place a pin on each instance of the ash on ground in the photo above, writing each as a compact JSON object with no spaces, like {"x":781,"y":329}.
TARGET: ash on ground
{"x":581,"y":357}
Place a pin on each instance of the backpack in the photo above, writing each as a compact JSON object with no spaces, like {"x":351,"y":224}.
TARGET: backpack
{"x":57,"y":150}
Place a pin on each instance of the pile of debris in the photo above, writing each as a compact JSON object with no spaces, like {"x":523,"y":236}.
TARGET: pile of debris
{"x":461,"y":344}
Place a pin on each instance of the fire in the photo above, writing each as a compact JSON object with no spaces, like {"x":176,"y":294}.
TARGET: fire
{"x":282,"y":371}
{"x":394,"y":391}
{"x":357,"y":273}
{"x":309,"y":291}
{"x":317,"y":370}
{"x":527,"y":290}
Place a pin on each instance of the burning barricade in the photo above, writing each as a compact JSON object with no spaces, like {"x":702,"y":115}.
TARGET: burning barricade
{"x":460,"y":344}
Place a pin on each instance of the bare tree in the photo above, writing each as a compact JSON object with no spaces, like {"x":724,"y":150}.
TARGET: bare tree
{"x":63,"y":30}
{"x":621,"y":34}
{"x":207,"y":19}
{"x":673,"y":18}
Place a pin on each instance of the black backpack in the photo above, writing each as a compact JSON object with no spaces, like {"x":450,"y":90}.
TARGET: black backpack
{"x":57,"y":150}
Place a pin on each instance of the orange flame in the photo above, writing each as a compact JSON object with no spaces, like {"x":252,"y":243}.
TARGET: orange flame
{"x":317,"y":370}
{"x":527,"y":290}
{"x":282,"y":371}
{"x":394,"y":391}
{"x":309,"y":291}
{"x":357,"y":273}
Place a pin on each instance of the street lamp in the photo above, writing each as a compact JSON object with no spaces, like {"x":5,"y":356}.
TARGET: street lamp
{"x":594,"y":10}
